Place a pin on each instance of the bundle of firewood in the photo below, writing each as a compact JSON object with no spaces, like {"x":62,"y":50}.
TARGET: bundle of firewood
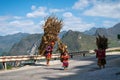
{"x":51,"y":28}
{"x":102,"y":42}
{"x":62,"y":47}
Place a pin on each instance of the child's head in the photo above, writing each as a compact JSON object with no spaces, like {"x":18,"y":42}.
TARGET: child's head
{"x":52,"y":43}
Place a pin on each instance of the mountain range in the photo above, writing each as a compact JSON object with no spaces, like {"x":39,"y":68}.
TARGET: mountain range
{"x":6,"y":42}
{"x":77,"y":41}
{"x":24,"y":44}
{"x":110,"y":32}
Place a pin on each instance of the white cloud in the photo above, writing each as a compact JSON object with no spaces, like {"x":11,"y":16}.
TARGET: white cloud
{"x":17,"y":17}
{"x":41,"y":23}
{"x":67,"y":14}
{"x":14,"y":24}
{"x":37,"y":28}
{"x":33,"y":7}
{"x":23,"y":23}
{"x":24,"y":26}
{"x":75,"y":23}
{"x":110,"y":10}
{"x":56,"y":10}
{"x":3,"y":18}
{"x":6,"y":29}
{"x":40,"y":12}
{"x":81,"y":4}
{"x":109,"y":24}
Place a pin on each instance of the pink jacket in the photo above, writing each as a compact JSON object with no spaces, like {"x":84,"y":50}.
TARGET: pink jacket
{"x":100,"y":54}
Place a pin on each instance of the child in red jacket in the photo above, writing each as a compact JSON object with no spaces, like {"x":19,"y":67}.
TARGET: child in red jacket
{"x":65,"y":58}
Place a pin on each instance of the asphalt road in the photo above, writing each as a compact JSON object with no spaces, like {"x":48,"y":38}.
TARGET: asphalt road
{"x":78,"y":69}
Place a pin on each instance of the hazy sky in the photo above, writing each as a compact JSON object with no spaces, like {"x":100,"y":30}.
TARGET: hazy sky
{"x":28,"y":16}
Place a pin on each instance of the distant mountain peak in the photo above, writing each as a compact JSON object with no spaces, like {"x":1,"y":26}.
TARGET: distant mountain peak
{"x":91,"y":31}
{"x":114,"y":31}
{"x":101,"y":31}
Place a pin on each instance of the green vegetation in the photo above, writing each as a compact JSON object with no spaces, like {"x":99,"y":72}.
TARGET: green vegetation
{"x":77,"y":41}
{"x":9,"y":66}
{"x":113,"y":43}
{"x":71,"y":39}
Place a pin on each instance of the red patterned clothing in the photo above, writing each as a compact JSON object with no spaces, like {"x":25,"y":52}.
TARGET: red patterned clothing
{"x":48,"y":56}
{"x":65,"y":58}
{"x":100,"y":54}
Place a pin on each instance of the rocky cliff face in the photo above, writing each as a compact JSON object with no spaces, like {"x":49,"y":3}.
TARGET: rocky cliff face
{"x":24,"y":47}
{"x":6,"y":42}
